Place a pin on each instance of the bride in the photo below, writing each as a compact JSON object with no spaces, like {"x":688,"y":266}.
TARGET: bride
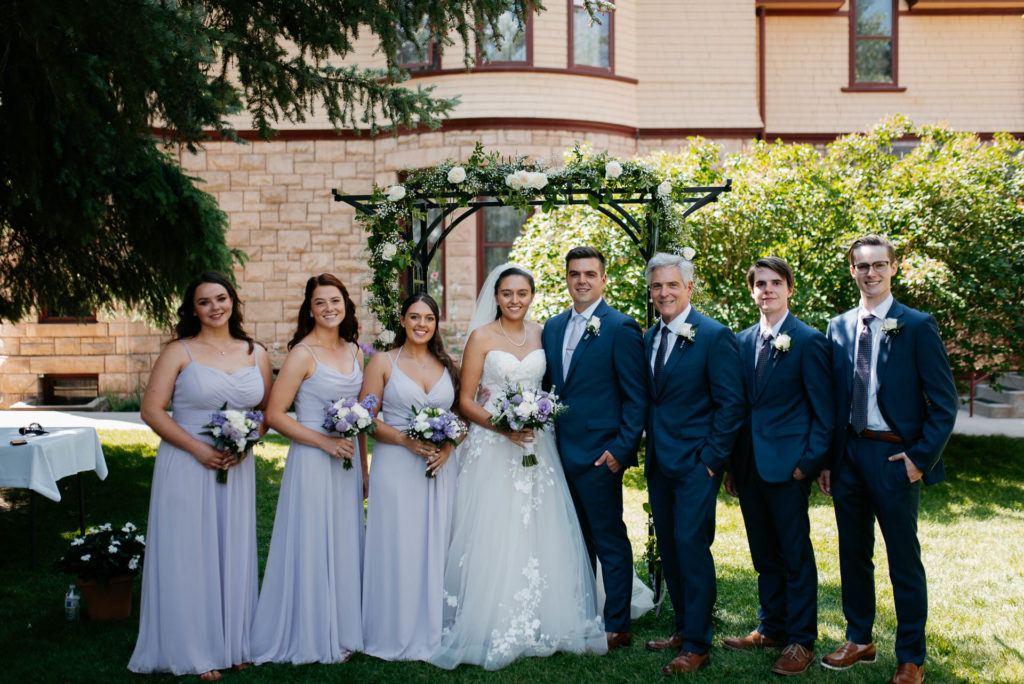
{"x":518,"y":580}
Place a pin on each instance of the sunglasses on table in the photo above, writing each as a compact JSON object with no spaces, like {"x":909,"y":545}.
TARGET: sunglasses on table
{"x":32,"y":429}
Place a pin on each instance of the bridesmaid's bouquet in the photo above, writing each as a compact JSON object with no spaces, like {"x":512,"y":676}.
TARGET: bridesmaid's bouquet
{"x":436,"y":426}
{"x":350,"y":418}
{"x":234,"y":430}
{"x":517,"y":409}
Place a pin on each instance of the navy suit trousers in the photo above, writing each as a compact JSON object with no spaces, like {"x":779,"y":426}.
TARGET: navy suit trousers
{"x":866,"y":487}
{"x":684,"y":523}
{"x":600,"y":516}
{"x":779,"y":533}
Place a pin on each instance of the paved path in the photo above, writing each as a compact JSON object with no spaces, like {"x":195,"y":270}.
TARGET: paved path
{"x":965,"y":425}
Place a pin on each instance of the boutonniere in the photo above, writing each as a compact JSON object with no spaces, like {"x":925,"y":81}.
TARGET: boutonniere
{"x":687,"y":332}
{"x":594,"y":326}
{"x":782,"y":343}
{"x":891,"y":327}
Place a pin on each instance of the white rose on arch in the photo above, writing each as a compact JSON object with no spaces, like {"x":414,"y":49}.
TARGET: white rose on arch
{"x":386,"y":337}
{"x":665,"y":189}
{"x":388,"y":251}
{"x":612,"y":169}
{"x":456,"y":175}
{"x":688,"y":253}
{"x":395,"y":193}
{"x":513,"y":181}
{"x":537,"y":180}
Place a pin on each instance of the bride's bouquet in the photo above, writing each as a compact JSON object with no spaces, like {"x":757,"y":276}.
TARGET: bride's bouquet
{"x":234,"y":430}
{"x":350,"y":418}
{"x":436,"y":426}
{"x":517,"y":409}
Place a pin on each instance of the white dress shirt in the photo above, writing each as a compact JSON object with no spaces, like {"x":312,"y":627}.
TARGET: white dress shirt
{"x":674,"y":326}
{"x":585,"y":315}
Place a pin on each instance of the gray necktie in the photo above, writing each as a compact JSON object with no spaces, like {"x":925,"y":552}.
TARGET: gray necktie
{"x":862,"y":377}
{"x":575,"y":333}
{"x":762,"y":358}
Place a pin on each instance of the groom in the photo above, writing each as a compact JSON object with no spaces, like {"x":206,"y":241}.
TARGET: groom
{"x":595,"y":363}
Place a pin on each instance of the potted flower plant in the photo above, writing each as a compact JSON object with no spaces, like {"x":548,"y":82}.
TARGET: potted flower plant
{"x":106,"y":561}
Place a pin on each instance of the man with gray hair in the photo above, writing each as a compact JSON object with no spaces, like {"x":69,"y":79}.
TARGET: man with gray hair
{"x":696,"y":406}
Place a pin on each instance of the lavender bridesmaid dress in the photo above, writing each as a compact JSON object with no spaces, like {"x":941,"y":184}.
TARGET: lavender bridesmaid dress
{"x":407,"y":532}
{"x":199,"y":578}
{"x":309,"y":607}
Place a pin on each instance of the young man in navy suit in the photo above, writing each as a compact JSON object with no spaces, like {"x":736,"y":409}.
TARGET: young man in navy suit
{"x":696,"y":406}
{"x":787,"y":376}
{"x":595,"y":364}
{"x":897,"y":407}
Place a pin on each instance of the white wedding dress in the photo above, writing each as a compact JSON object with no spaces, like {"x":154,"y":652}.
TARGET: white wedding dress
{"x":518,"y":580}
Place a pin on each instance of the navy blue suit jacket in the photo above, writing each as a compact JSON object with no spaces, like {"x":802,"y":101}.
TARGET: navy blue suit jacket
{"x":791,"y":416}
{"x":916,"y":392}
{"x":605,"y":389}
{"x":695,"y":413}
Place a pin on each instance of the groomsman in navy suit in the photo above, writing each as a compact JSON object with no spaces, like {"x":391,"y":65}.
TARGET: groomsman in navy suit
{"x":595,"y":363}
{"x":696,"y":407}
{"x":897,"y":407}
{"x":781,"y":448}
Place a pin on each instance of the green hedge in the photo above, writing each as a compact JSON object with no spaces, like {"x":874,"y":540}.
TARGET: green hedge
{"x":952,"y":204}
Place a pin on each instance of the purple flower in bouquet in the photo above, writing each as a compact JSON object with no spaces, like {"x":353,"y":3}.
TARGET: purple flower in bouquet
{"x":235,"y":431}
{"x":350,"y":418}
{"x":517,"y":408}
{"x":434,"y":425}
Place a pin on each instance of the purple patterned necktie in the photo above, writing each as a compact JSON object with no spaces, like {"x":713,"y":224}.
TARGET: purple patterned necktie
{"x":762,"y":358}
{"x":862,"y":377}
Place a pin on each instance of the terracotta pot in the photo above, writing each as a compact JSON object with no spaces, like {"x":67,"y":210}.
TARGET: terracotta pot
{"x":107,"y":601}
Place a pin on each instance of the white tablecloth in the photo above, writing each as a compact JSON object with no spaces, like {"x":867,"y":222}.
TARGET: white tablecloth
{"x":47,"y":458}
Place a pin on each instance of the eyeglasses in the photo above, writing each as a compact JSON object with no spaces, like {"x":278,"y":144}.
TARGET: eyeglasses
{"x":33,"y":428}
{"x":877,"y":267}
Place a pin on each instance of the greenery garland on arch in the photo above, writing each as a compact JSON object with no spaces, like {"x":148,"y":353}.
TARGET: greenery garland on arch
{"x":516,"y":182}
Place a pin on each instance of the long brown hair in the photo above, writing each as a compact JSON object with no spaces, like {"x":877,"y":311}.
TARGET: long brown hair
{"x":435,"y":345}
{"x":349,"y":328}
{"x":188,"y":324}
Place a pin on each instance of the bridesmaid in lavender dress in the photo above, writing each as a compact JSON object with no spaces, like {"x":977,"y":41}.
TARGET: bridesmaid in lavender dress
{"x":410,"y":515}
{"x":309,"y":605}
{"x":199,"y":582}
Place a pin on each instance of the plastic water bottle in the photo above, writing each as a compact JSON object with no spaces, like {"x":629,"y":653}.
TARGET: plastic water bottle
{"x":72,"y":604}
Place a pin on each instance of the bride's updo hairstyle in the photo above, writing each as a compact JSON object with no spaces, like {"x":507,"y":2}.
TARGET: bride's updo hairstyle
{"x":435,"y":345}
{"x":507,"y":273}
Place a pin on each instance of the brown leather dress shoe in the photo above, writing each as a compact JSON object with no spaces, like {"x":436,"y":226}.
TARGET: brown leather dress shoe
{"x":908,"y":673}
{"x":618,"y":640}
{"x":674,"y":642}
{"x":848,"y":655}
{"x":795,"y":659}
{"x":753,"y":640}
{"x":687,"y":662}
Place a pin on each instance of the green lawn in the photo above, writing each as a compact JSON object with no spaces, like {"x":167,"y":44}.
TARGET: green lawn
{"x":972,"y":531}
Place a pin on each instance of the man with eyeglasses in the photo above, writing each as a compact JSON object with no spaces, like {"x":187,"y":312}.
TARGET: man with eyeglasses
{"x":896,"y":408}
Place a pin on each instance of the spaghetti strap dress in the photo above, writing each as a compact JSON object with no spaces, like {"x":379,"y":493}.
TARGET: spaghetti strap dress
{"x":200,"y":576}
{"x":309,"y":606}
{"x":407,"y":532}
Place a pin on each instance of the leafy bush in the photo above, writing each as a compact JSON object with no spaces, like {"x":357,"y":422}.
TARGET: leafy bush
{"x":952,"y":206}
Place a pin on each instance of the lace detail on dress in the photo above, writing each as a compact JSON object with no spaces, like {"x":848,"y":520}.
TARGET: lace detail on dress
{"x":518,"y":581}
